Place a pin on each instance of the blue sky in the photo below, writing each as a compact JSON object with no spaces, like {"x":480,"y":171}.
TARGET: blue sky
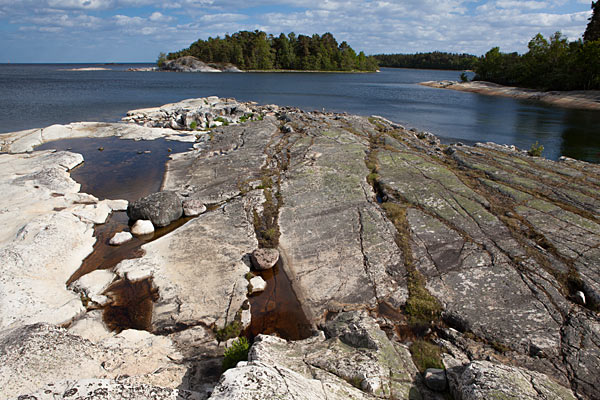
{"x":137,"y":30}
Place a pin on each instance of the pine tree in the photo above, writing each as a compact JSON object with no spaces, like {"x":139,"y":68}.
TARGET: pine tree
{"x":592,"y":32}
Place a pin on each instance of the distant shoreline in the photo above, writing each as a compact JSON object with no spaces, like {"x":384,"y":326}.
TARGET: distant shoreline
{"x":581,"y":99}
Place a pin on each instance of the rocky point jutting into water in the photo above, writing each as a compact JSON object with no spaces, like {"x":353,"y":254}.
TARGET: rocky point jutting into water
{"x":414,"y":270}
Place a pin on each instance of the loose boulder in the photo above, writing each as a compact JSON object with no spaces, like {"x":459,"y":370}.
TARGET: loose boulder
{"x":120,"y":238}
{"x":160,"y":208}
{"x":263,"y":259}
{"x":257,"y":284}
{"x":193,"y":208}
{"x":142,"y":227}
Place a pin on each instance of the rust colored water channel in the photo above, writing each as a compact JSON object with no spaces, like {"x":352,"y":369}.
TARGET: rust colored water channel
{"x":277,"y":310}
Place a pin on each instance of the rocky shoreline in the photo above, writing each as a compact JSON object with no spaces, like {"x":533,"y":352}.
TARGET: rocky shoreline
{"x":426,"y":271}
{"x":586,"y":100}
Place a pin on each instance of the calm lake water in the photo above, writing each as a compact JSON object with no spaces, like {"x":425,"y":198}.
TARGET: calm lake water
{"x":35,"y":96}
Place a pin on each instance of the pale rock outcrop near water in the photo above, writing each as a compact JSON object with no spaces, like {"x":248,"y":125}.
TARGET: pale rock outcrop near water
{"x":192,"y":64}
{"x":582,"y":99}
{"x":367,"y":217}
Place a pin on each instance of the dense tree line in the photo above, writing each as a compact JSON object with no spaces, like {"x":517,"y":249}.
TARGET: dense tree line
{"x":433,"y":60}
{"x":549,"y":64}
{"x":259,"y":51}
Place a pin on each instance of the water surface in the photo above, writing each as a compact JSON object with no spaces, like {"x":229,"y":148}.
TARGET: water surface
{"x":41,"y":95}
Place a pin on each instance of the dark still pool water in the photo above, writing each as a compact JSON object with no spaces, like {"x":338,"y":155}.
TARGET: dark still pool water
{"x":35,"y":96}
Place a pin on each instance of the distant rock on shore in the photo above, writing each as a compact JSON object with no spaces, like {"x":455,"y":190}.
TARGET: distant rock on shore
{"x":192,"y":64}
{"x":582,"y":99}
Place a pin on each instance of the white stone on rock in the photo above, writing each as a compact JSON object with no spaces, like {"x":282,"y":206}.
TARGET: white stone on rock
{"x":135,"y":270}
{"x":93,"y":283}
{"x":257,"y":284}
{"x":117,"y":205}
{"x":120,"y":238}
{"x":95,"y":213}
{"x":142,"y":227}
{"x":193,"y":208}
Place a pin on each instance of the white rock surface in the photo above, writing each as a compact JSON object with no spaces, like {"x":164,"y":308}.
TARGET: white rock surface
{"x":120,"y":237}
{"x":257,"y":284}
{"x":142,"y":227}
{"x":42,"y":241}
{"x":103,"y":389}
{"x":34,"y":355}
{"x":94,"y":283}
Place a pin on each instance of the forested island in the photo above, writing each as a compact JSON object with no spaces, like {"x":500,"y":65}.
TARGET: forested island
{"x":259,"y":51}
{"x":550,"y":63}
{"x":431,"y":60}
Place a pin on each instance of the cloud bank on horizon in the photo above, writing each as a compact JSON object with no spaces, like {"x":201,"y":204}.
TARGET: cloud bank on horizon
{"x":137,"y":30}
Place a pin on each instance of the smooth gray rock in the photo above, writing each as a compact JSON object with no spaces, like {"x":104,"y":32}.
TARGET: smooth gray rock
{"x":161,"y":208}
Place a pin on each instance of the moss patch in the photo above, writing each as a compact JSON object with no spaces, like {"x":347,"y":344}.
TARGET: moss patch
{"x":426,"y":355}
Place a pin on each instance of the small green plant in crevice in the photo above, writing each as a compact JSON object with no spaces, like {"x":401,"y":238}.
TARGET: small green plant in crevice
{"x":243,"y":119}
{"x":421,"y":307}
{"x":193,"y":125}
{"x":266,"y":225}
{"x":355,"y":381}
{"x":222,"y":120}
{"x":229,"y":331}
{"x":536,"y":150}
{"x":238,"y":351}
{"x":426,"y":355}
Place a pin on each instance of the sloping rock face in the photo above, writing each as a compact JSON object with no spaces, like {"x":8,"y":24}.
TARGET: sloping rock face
{"x":484,"y":251}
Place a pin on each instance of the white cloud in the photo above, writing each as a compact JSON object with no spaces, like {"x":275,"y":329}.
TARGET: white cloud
{"x":159,"y":17}
{"x":371,"y":25}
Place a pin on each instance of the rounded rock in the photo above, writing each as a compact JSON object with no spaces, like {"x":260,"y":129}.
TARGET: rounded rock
{"x":142,"y":227}
{"x":161,"y":208}
{"x":257,"y":284}
{"x":264,"y":258}
{"x":193,"y":208}
{"x":120,"y":238}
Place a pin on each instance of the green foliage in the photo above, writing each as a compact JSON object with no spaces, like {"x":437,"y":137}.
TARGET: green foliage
{"x":229,"y":331}
{"x":193,"y":125}
{"x":162,"y":57}
{"x":222,"y":120}
{"x":464,"y":77}
{"x":426,"y":355}
{"x":433,"y":60}
{"x":421,"y":306}
{"x":551,"y":63}
{"x":536,"y":150}
{"x":238,"y":351}
{"x":592,"y":32}
{"x":259,"y":51}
